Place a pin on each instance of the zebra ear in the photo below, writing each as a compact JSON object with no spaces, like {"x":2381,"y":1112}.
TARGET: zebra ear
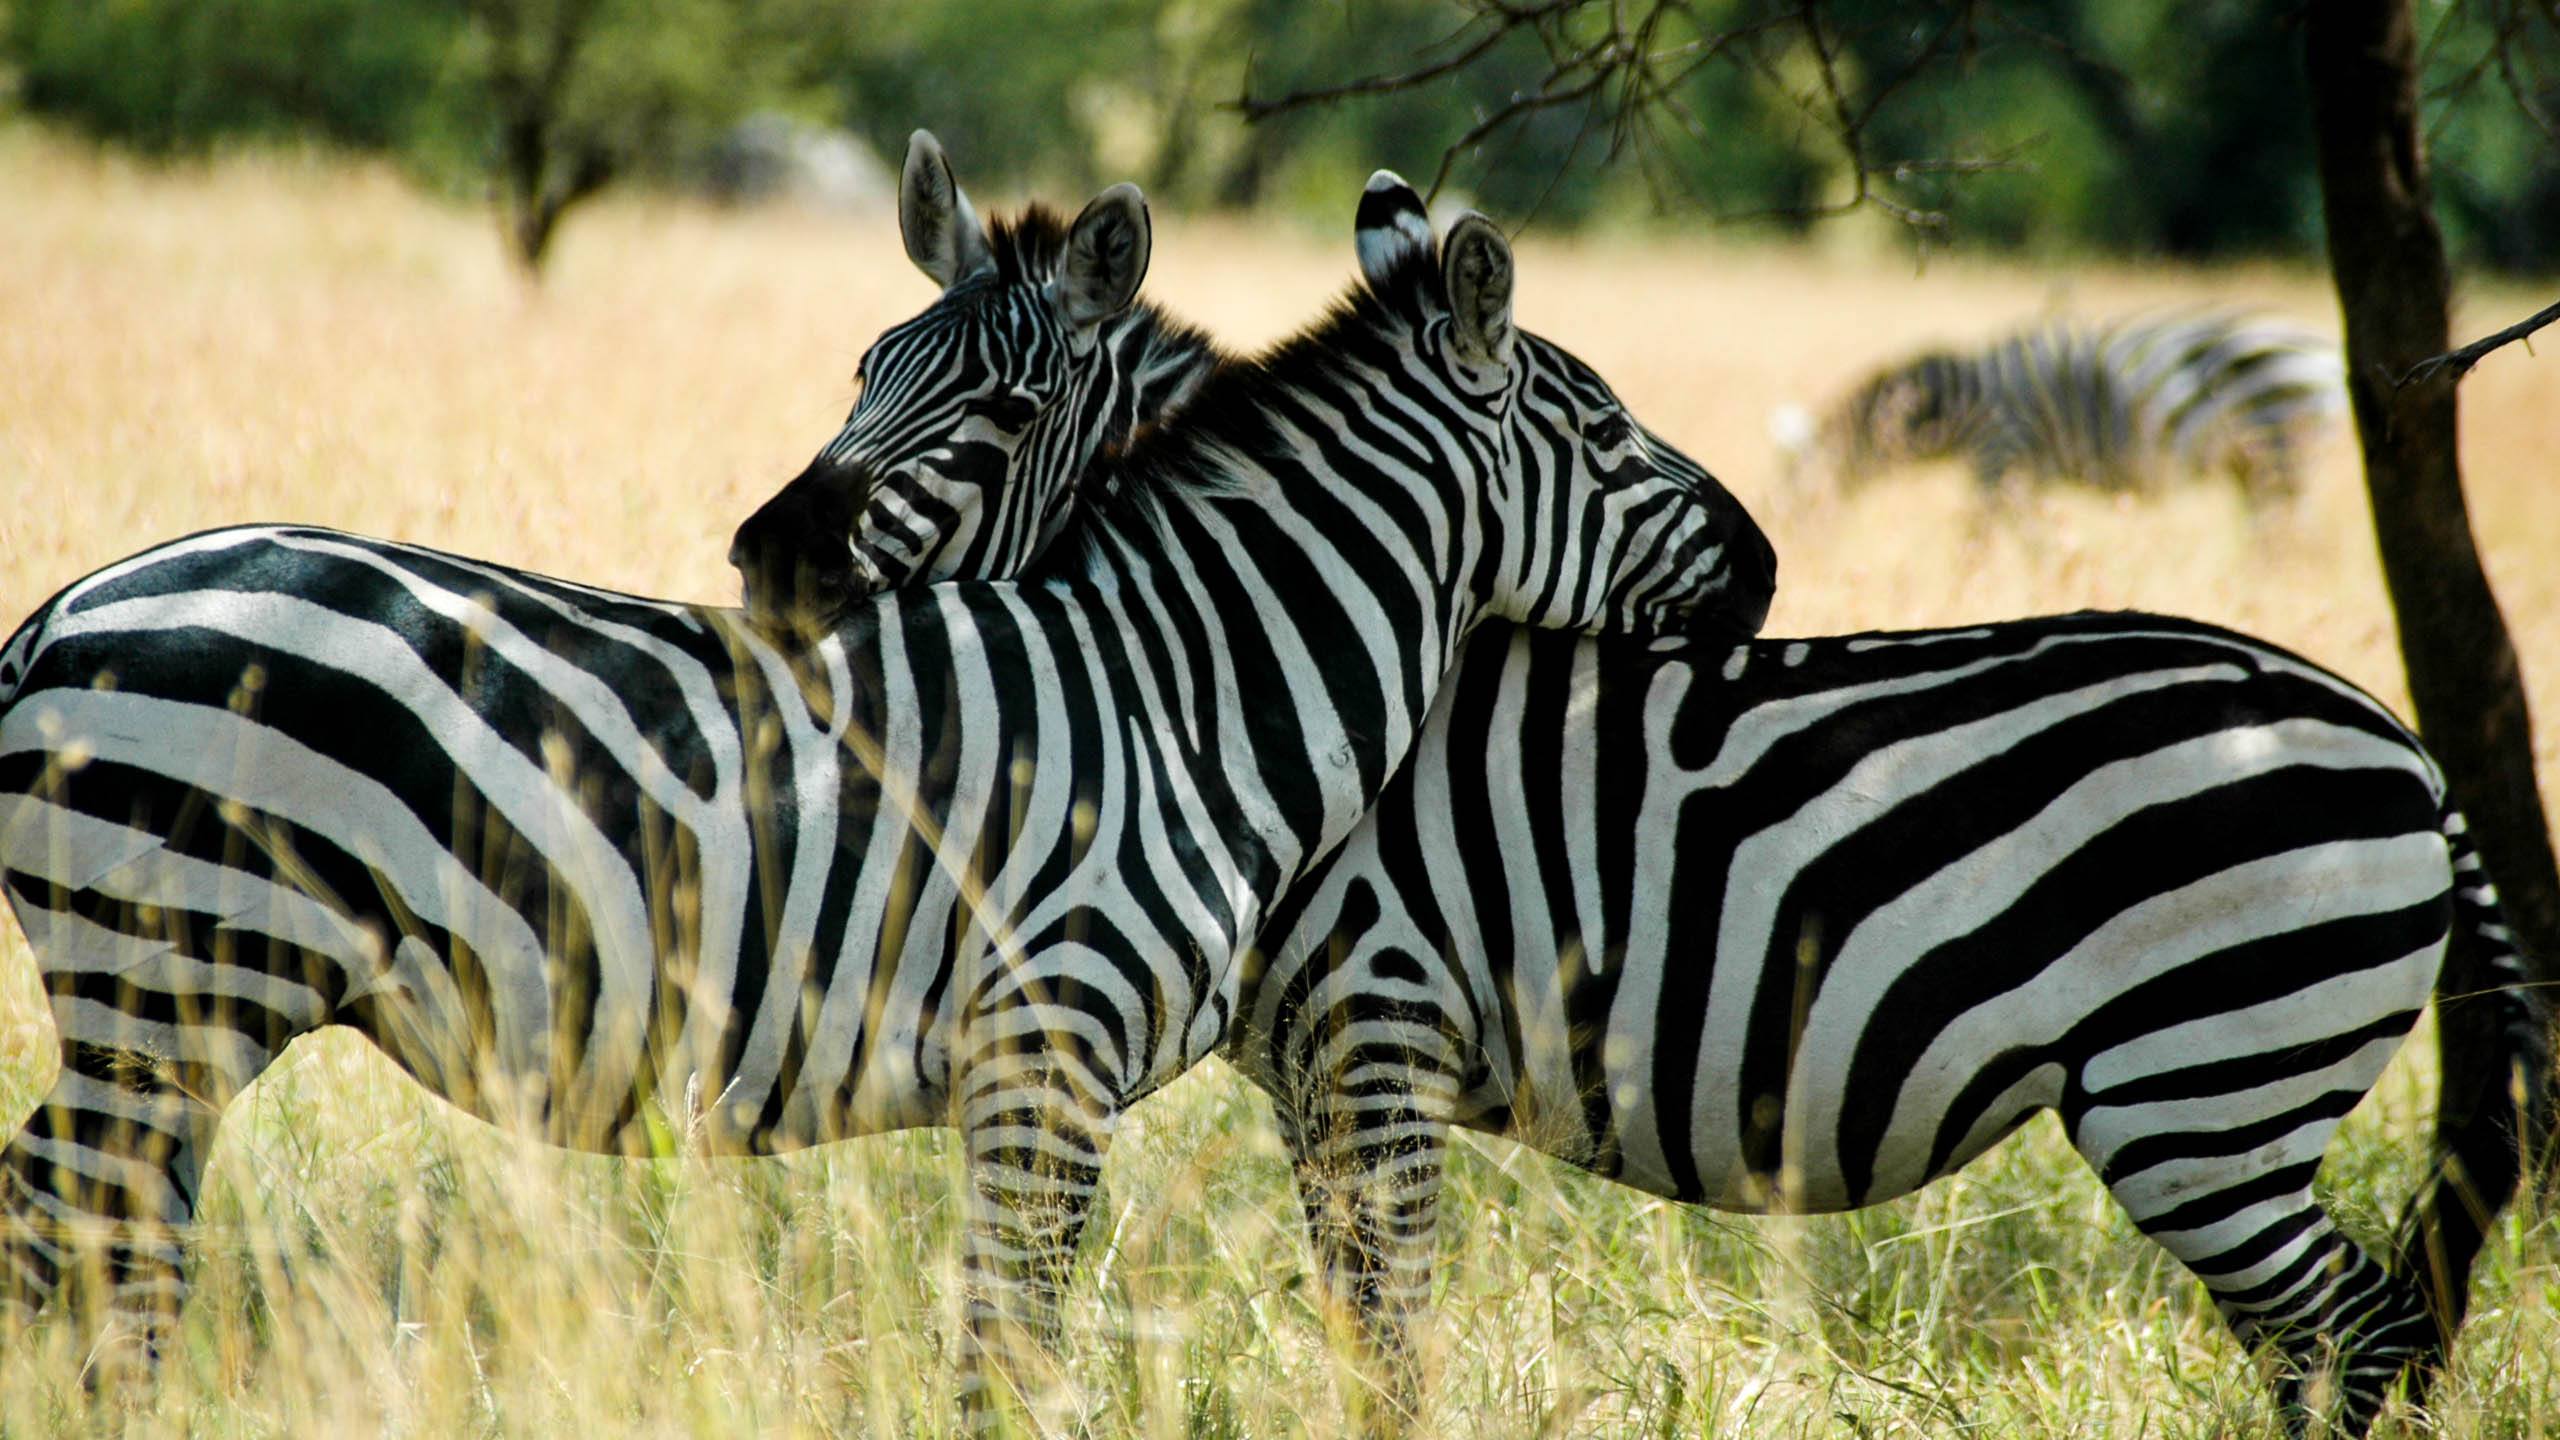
{"x":1107,"y":253}
{"x":1476,"y":265}
{"x":1393,"y":229}
{"x":944,"y":236}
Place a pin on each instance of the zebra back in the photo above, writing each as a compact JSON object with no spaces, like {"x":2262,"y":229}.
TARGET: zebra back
{"x":2125,"y":405}
{"x":2237,"y":394}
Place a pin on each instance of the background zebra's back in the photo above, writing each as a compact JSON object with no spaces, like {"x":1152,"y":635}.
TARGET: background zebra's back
{"x":2127,"y":405}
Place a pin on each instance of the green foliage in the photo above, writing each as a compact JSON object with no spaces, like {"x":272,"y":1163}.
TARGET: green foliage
{"x":652,"y":80}
{"x":1015,"y":88}
{"x":2175,"y":127}
{"x":173,"y":76}
{"x":2495,"y":87}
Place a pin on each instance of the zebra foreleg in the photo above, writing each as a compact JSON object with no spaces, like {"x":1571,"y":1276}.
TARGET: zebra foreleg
{"x":1036,"y":1132}
{"x":1369,"y":1153}
{"x":97,"y":1194}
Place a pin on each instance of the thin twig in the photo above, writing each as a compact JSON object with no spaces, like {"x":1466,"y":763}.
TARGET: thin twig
{"x":2454,"y":364}
{"x":1625,"y":62}
{"x":1254,"y":110}
{"x":2523,"y":94}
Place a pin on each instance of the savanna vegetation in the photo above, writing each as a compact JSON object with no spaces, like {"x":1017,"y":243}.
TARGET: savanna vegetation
{"x":295,"y":335}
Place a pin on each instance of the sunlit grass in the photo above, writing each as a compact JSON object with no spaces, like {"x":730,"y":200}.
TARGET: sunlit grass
{"x":285,"y":338}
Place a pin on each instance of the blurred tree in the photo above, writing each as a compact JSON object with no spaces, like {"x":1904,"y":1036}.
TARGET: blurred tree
{"x":578,"y":92}
{"x":549,"y":154}
{"x":2175,"y":126}
{"x":1860,"y":84}
{"x":548,"y":100}
{"x":1308,"y":153}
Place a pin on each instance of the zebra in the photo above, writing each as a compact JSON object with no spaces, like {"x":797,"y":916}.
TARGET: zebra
{"x":1800,"y":925}
{"x":981,"y":855}
{"x":972,"y":399}
{"x":2118,"y":406}
{"x":1797,"y":926}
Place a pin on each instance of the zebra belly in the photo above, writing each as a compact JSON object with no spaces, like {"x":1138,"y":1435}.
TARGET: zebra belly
{"x":2124,"y":1032}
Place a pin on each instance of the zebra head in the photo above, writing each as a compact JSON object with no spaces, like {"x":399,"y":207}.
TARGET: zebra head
{"x":1602,"y":524}
{"x":975,"y":417}
{"x":1924,"y":409}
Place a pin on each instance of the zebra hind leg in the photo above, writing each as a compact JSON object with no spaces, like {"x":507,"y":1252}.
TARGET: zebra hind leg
{"x":97,"y":1193}
{"x":2337,"y":1365}
{"x":2337,"y":1327}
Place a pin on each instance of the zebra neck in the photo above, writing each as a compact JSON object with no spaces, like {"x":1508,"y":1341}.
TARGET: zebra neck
{"x":1320,"y":608}
{"x":1139,"y":371}
{"x":1160,"y":363}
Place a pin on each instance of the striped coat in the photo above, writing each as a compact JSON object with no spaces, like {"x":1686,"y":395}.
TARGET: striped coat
{"x":2127,"y":405}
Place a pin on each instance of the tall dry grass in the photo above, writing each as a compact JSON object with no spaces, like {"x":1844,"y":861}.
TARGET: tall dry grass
{"x":281,"y":338}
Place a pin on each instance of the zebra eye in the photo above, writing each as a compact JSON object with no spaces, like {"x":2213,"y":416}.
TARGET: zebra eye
{"x":1610,"y":431}
{"x":1012,"y":409}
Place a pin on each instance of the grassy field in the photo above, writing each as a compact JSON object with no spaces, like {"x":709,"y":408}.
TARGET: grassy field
{"x":286,"y":339}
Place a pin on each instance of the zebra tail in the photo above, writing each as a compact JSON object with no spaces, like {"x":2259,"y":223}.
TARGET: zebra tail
{"x":2494,"y":1099}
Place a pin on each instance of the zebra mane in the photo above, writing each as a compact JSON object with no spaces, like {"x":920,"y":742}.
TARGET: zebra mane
{"x":1156,"y":351}
{"x":1230,"y":411}
{"x":1028,"y":245}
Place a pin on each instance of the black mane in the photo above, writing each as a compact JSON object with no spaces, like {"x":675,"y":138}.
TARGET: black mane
{"x":1232,"y":408}
{"x":1028,"y":246}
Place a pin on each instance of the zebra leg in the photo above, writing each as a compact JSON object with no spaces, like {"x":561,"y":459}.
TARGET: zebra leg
{"x":162,"y":1021}
{"x":2339,"y":1328}
{"x":1369,"y":1149}
{"x":96,"y":1196}
{"x":1036,"y":1131}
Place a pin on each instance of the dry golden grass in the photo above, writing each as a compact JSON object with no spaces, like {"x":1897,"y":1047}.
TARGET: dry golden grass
{"x":276,"y":338}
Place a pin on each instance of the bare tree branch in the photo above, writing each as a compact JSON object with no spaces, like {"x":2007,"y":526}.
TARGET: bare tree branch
{"x":1254,"y":110}
{"x":2513,"y":25}
{"x":2454,"y":364}
{"x":2522,"y":93}
{"x":1626,"y":62}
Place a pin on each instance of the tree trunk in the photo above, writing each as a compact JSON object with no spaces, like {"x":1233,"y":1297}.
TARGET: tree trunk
{"x":534,"y":50}
{"x":2387,"y":258}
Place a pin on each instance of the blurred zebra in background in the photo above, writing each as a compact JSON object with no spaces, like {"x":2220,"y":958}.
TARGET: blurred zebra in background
{"x":2124,"y":406}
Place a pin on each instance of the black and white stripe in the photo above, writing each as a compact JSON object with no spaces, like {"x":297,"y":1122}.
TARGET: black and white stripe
{"x":2126,"y":405}
{"x":1800,"y":925}
{"x":980,"y":855}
